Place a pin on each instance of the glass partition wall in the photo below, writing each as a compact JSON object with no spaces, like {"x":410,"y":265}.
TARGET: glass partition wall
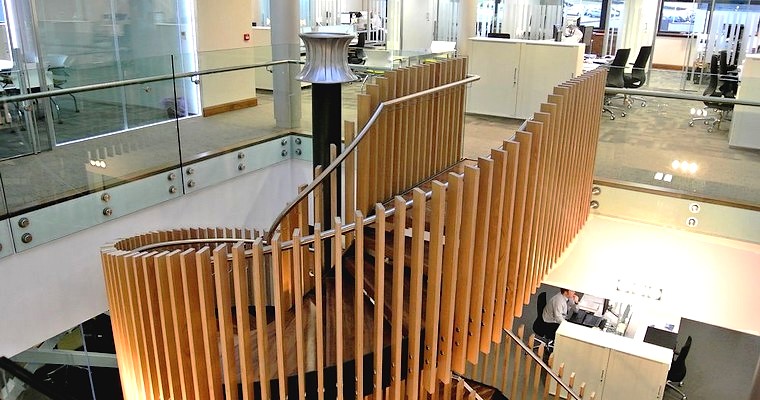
{"x":63,"y":44}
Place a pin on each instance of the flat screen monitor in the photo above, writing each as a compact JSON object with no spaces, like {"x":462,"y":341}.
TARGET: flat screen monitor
{"x":661,"y":337}
{"x":345,"y":18}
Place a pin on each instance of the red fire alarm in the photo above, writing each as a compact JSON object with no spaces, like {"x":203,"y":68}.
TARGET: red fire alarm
{"x":246,"y":36}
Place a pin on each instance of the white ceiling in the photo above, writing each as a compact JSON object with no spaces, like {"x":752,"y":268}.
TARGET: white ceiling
{"x":703,"y":278}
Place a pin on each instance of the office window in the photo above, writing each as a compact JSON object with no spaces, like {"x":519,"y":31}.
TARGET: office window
{"x":589,"y":11}
{"x":682,"y":16}
{"x":592,"y":12}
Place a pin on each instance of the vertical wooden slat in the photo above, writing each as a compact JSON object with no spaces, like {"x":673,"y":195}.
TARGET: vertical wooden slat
{"x":209,"y":327}
{"x":492,"y":271}
{"x":338,"y":260}
{"x":535,"y":128}
{"x":516,"y":270}
{"x":363,"y":113}
{"x":278,"y":315}
{"x":107,"y":261}
{"x":157,"y":338}
{"x":133,"y":321}
{"x":415,"y":292}
{"x":142,"y":308}
{"x":383,"y":147}
{"x":464,"y":277}
{"x":180,"y":321}
{"x":391,"y":138}
{"x":320,"y":310}
{"x":454,"y":198}
{"x":373,"y":91}
{"x":349,"y":194}
{"x":226,"y":328}
{"x":526,"y":373}
{"x":259,"y":286}
{"x":171,"y":356}
{"x":193,"y":316}
{"x":516,"y":366}
{"x":505,"y":365}
{"x":359,"y":304}
{"x":538,"y":371}
{"x":245,"y":347}
{"x":412,"y":126}
{"x":397,"y":317}
{"x":482,"y":233}
{"x":300,"y":341}
{"x":319,"y":200}
{"x":505,"y":281}
{"x":433,"y":301}
{"x":379,"y":298}
{"x":307,"y":267}
{"x":334,"y":187}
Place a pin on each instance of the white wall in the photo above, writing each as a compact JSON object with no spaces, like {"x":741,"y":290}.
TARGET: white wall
{"x":670,"y":50}
{"x":55,"y":286}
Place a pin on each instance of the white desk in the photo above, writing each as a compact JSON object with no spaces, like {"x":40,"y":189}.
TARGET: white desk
{"x":612,"y":366}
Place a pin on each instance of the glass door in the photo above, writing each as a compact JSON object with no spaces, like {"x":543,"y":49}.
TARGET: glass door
{"x":28,"y":122}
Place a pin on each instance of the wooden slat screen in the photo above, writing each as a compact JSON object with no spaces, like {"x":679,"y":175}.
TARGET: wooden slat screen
{"x":421,"y":295}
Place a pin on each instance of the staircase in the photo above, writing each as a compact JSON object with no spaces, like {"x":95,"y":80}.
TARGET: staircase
{"x":395,"y":300}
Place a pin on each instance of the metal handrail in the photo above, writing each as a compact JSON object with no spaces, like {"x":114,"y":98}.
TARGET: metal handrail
{"x":343,"y":155}
{"x":680,"y":96}
{"x":286,"y":245}
{"x":543,"y":365}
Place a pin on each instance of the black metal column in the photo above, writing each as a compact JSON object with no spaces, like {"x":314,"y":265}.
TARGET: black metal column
{"x":326,"y":130}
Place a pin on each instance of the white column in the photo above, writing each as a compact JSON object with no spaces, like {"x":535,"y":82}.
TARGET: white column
{"x":467,"y":16}
{"x":393,"y":25}
{"x":286,"y":46}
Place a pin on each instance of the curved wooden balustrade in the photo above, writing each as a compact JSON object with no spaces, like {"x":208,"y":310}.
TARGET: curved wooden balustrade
{"x":424,"y":287}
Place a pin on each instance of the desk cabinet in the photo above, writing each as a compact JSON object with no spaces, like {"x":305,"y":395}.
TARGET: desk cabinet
{"x":516,"y":75}
{"x":614,"y":367}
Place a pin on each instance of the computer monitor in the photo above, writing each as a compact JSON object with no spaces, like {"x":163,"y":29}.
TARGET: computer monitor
{"x":661,"y":337}
{"x":345,"y":18}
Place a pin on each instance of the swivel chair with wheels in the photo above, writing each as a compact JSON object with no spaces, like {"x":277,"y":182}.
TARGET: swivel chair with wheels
{"x":615,"y":79}
{"x":677,"y":372}
{"x":540,"y":327}
{"x":638,"y":76}
{"x":721,"y":109}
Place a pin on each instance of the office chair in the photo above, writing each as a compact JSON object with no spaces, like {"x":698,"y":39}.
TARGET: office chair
{"x":615,"y":79}
{"x":638,"y":76}
{"x":677,"y":371}
{"x":721,"y":109}
{"x":540,"y":327}
{"x":728,"y":80}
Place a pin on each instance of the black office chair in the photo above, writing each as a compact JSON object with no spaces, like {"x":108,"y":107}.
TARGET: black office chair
{"x":615,"y":79}
{"x":722,"y":109}
{"x":540,"y":327}
{"x":638,"y":77}
{"x":728,"y":80}
{"x":677,"y":372}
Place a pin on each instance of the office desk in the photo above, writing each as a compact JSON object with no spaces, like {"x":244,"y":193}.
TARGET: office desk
{"x":614,"y":367}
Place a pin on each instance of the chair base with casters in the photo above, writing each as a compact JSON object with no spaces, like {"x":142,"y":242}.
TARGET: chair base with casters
{"x":714,"y":121}
{"x":673,"y":386}
{"x":608,"y":108}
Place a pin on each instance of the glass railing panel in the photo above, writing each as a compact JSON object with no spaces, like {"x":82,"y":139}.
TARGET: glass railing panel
{"x":686,"y":146}
{"x":77,"y":167}
{"x":152,"y":102}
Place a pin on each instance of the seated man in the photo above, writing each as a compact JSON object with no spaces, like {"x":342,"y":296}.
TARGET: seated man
{"x":558,"y":308}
